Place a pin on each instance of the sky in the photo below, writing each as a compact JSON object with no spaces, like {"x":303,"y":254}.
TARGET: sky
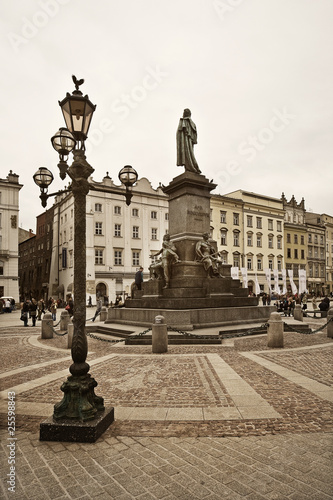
{"x":257,"y":76}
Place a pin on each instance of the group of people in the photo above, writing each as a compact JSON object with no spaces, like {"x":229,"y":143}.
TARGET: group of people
{"x":287,"y":304}
{"x":7,"y":305}
{"x":33,"y":309}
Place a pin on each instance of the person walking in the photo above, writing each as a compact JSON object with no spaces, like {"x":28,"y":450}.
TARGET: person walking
{"x":33,"y":311}
{"x":98,"y":308}
{"x":24,"y":312}
{"x":53,"y":310}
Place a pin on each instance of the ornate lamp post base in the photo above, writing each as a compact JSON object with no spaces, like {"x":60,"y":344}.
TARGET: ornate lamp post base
{"x":80,"y":401}
{"x":75,"y":431}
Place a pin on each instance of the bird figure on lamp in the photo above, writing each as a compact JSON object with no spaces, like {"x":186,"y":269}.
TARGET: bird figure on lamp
{"x":77,"y":82}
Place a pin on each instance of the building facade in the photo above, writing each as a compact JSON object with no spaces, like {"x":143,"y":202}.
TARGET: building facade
{"x":295,"y":237}
{"x":316,"y":266}
{"x":35,"y":257}
{"x":9,"y":228}
{"x":119,"y":238}
{"x":248,"y":228}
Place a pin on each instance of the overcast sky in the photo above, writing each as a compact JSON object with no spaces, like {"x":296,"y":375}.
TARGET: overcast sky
{"x":256,"y":74}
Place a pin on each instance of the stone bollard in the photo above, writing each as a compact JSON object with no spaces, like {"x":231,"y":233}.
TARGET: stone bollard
{"x":159,"y":337}
{"x":298,"y":313}
{"x":70,"y":328}
{"x":330,"y":325}
{"x":47,"y":326}
{"x":275,"y":330}
{"x":64,"y":320}
{"x":103,"y":314}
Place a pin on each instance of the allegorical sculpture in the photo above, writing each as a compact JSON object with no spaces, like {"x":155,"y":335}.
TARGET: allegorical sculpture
{"x":161,"y":269}
{"x":186,"y":138}
{"x":205,"y":253}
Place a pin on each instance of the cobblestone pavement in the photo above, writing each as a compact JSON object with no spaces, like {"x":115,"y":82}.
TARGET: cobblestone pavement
{"x":230,"y":421}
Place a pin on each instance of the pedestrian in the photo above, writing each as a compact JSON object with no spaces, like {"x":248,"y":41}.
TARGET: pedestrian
{"x":264,"y":299}
{"x":98,"y":308}
{"x":53,"y":310}
{"x":285,"y":306}
{"x":269,"y":300}
{"x":70,"y":306}
{"x":24,"y":312}
{"x":291,"y":305}
{"x":33,"y":311}
{"x":139,"y":278}
{"x":40,"y":309}
{"x":7,"y":306}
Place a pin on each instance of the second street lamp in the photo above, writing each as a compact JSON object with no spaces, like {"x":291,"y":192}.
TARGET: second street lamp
{"x":80,"y":405}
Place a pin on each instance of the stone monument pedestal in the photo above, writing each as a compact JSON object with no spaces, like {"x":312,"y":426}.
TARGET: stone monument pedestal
{"x":192,"y":298}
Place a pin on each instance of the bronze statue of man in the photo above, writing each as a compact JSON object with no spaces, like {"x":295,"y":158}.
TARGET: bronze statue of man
{"x":186,"y":138}
{"x":162,"y":268}
{"x":206,"y":254}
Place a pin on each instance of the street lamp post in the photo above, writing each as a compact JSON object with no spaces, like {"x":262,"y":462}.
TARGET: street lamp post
{"x":81,"y":415}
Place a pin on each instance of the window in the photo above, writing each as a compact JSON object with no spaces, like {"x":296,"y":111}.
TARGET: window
{"x":309,"y":238}
{"x":296,"y":239}
{"x":270,"y":224}
{"x":1,"y":267}
{"x":236,"y":260}
{"x":98,"y":256}
{"x":70,"y":233}
{"x":135,"y":258}
{"x":117,"y":229}
{"x":302,"y":254}
{"x":270,"y":241}
{"x":65,"y":217}
{"x":249,"y":263}
{"x":310,"y":251}
{"x":166,"y":217}
{"x":135,"y":233}
{"x":288,"y":238}
{"x":249,"y":239}
{"x":316,"y":238}
{"x":223,"y":216}
{"x":154,"y":233}
{"x":259,"y":240}
{"x":259,"y":264}
{"x":279,"y":265}
{"x":98,"y":207}
{"x":288,"y":253}
{"x":270,"y":264}
{"x":118,"y":258}
{"x":321,"y":239}
{"x":236,"y":219}
{"x":236,"y":239}
{"x":310,"y":271}
{"x":98,"y":228}
{"x":72,"y":213}
{"x":117,"y":210}
{"x":223,"y":237}
{"x":302,"y":239}
{"x":64,"y":258}
{"x":259,"y":222}
{"x":70,"y":258}
{"x":279,"y":243}
{"x":135,"y":212}
{"x":295,"y":253}
{"x":153,"y":215}
{"x":249,"y":219}
{"x":279,"y":225}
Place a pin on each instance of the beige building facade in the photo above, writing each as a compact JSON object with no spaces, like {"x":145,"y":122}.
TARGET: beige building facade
{"x":9,"y":235}
{"x":119,"y":238}
{"x":248,"y":228}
